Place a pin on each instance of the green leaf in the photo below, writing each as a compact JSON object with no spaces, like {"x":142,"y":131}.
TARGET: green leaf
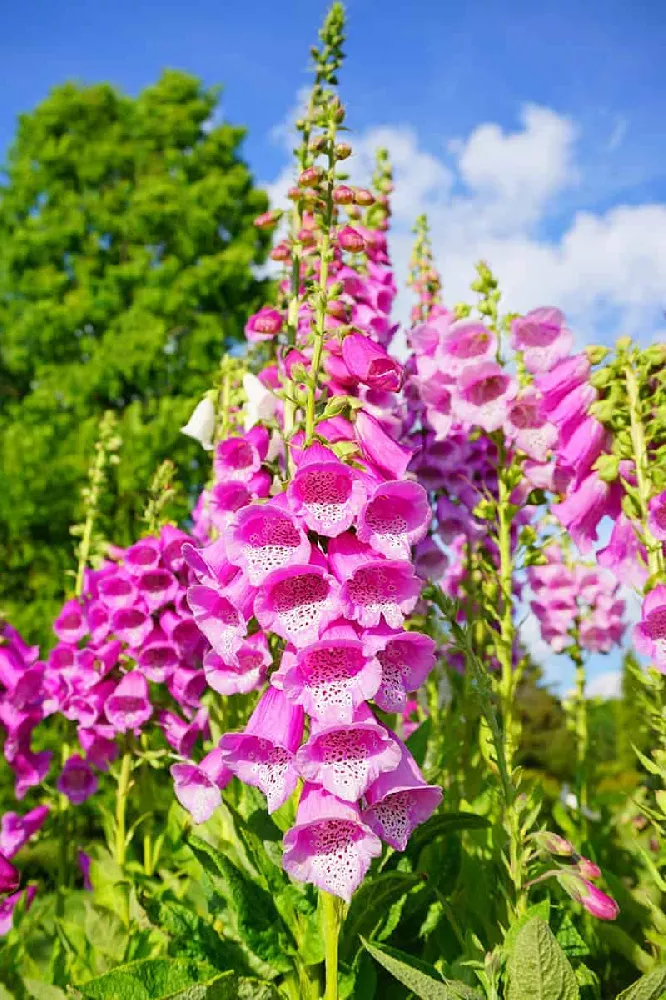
{"x":538,"y":969}
{"x":422,"y":980}
{"x":162,"y":979}
{"x":43,"y":991}
{"x":417,"y":744}
{"x":443,"y":823}
{"x":258,"y":922}
{"x":106,"y":932}
{"x":650,"y":987}
{"x":541,"y":910}
{"x":192,"y":936}
{"x":371,"y":904}
{"x":572,"y":943}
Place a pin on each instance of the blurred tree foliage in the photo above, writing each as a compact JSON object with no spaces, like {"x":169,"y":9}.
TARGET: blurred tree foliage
{"x":127,"y":248}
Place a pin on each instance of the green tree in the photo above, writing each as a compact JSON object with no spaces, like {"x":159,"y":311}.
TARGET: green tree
{"x":127,"y":253}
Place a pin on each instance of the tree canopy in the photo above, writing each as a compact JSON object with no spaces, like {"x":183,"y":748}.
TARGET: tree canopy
{"x":127,"y":254}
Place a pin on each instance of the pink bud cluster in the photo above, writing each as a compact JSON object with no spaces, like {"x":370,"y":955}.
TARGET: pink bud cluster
{"x":576,"y":878}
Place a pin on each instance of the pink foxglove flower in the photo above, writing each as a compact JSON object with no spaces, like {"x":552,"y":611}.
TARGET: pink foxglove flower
{"x":70,"y":625}
{"x":379,"y":449}
{"x":326,"y":493}
{"x":329,"y":845}
{"x":9,"y":877}
{"x":556,"y":384}
{"x":263,"y":755}
{"x":263,"y":538}
{"x":246,"y":674}
{"x":650,"y":633}
{"x":406,"y":659}
{"x":482,"y":395}
{"x":128,"y":708}
{"x":221,"y":623}
{"x":77,"y":780}
{"x":582,"y":510}
{"x":330,"y":678}
{"x":395,"y":517}
{"x":298,"y":603}
{"x":657,"y":516}
{"x":465,"y":342}
{"x":157,"y":587}
{"x":345,"y":760}
{"x":240,"y":459}
{"x":142,"y":556}
{"x":596,"y":902}
{"x":542,"y":338}
{"x":197,"y":786}
{"x":15,"y":830}
{"x":373,"y":588}
{"x":528,"y":429}
{"x":370,"y":364}
{"x":399,"y":801}
{"x":8,"y":905}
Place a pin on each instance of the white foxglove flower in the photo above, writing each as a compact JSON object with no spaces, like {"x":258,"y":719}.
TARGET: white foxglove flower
{"x":201,"y":425}
{"x":261,"y":404}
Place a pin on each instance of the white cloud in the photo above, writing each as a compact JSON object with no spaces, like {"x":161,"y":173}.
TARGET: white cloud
{"x":606,"y":685}
{"x":491,"y":195}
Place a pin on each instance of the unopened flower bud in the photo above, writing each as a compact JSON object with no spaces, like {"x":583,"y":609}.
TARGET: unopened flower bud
{"x":553,"y":843}
{"x":343,"y":195}
{"x":337,"y":309}
{"x":594,"y":900}
{"x":350,"y":239}
{"x":364,"y":197}
{"x":281,"y":251}
{"x":306,"y":236}
{"x":596,"y":354}
{"x":268,"y":219}
{"x":342,"y":150}
{"x":317,"y":144}
{"x":588,"y":869}
{"x":294,"y":194}
{"x":354,"y":212}
{"x":309,"y":176}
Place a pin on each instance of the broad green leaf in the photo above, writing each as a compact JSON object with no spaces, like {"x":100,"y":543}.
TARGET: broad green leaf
{"x":422,"y":980}
{"x":191,"y":936}
{"x":541,"y":910}
{"x":43,"y":991}
{"x":106,"y":932}
{"x":538,"y":969}
{"x":371,"y":904}
{"x":650,"y":987}
{"x":572,"y":943}
{"x":161,"y":979}
{"x":258,"y":922}
{"x":443,"y":823}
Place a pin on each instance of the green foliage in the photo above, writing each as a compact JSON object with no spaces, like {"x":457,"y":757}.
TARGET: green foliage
{"x":126,"y":252}
{"x":650,"y":987}
{"x":171,"y":979}
{"x":538,"y":968}
{"x":420,"y":979}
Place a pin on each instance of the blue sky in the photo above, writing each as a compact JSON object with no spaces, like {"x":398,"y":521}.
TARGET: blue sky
{"x":531,"y":133}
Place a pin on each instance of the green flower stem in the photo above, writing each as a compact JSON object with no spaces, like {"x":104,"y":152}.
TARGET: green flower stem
{"x":582,"y":740}
{"x":643,"y":482}
{"x":331,"y":924}
{"x":124,"y":782}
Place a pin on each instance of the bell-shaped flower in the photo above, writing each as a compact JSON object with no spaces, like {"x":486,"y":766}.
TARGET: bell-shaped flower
{"x":157,"y":587}
{"x":118,"y":591}
{"x":430,"y":561}
{"x":379,"y":449}
{"x":399,"y":801}
{"x":9,"y":904}
{"x":210,"y":564}
{"x":201,"y":425}
{"x":144,"y":555}
{"x":406,"y":659}
{"x":9,"y":877}
{"x":345,"y":760}
{"x":263,"y":755}
{"x":528,"y":428}
{"x":240,"y":458}
{"x":128,"y":708}
{"x":329,"y":846}
{"x":584,"y":507}
{"x":370,"y":364}
{"x":395,"y":517}
{"x":29,"y":768}
{"x":132,"y":625}
{"x":650,"y":632}
{"x":246,"y":674}
{"x":158,"y":658}
{"x":16,"y":830}
{"x":580,"y":450}
{"x":187,"y":686}
{"x":198,"y":786}
{"x":542,"y":337}
{"x":99,"y":745}
{"x":71,"y":625}
{"x":297,"y":603}
{"x":221,"y":623}
{"x":330,"y":678}
{"x":657,"y":516}
{"x":182,"y":734}
{"x":325,"y":493}
{"x":482,"y":395}
{"x":466,"y":342}
{"x":263,"y":538}
{"x":373,"y":588}
{"x":77,"y":780}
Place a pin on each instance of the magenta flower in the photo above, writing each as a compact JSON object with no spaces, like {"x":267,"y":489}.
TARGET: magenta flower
{"x":582,"y":510}
{"x":197,"y":786}
{"x":395,"y":517}
{"x":406,"y":659}
{"x":30,"y":769}
{"x":582,"y":447}
{"x":70,"y":625}
{"x":263,"y":538}
{"x":345,"y":760}
{"x":157,"y":587}
{"x":567,"y":375}
{"x":399,"y":801}
{"x":482,"y":395}
{"x":596,"y":902}
{"x":330,"y":678}
{"x":542,"y":338}
{"x":430,"y":562}
{"x":370,"y":364}
{"x":372,"y":588}
{"x":248,"y":672}
{"x":263,"y":325}
{"x":210,"y":564}
{"x":132,"y":625}
{"x":219,"y":620}
{"x":657,"y":516}
{"x":325,"y":493}
{"x":528,"y":429}
{"x":128,"y":708}
{"x":379,"y":449}
{"x":624,"y":554}
{"x":8,"y":905}
{"x":117,"y":591}
{"x":263,"y":755}
{"x":467,"y":341}
{"x":99,"y":745}
{"x":9,"y":877}
{"x":239,"y":458}
{"x":158,"y":659}
{"x":144,"y":555}
{"x":329,"y":846}
{"x":84,"y":861}
{"x":15,"y":831}
{"x":298,"y":603}
{"x":650,"y":633}
{"x":77,"y":780}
